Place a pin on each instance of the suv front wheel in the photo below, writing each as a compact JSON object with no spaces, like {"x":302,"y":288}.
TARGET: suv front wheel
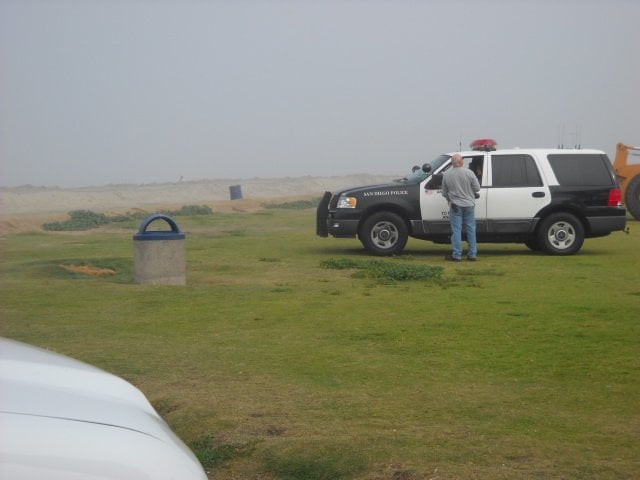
{"x":561,"y":234}
{"x":384,"y":233}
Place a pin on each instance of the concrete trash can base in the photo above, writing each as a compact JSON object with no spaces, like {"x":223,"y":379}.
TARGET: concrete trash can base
{"x":159,"y":255}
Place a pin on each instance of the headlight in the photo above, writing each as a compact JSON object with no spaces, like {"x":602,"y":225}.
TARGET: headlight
{"x":347,"y":202}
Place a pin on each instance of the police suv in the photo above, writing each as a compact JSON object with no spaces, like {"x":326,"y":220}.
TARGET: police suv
{"x":548,"y":199}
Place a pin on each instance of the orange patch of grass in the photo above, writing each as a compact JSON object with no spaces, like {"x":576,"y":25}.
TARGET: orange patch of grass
{"x":89,"y":270}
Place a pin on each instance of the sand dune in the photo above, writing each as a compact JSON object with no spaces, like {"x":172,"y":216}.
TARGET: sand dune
{"x":27,"y":206}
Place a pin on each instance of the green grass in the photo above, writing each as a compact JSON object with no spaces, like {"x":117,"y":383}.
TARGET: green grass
{"x":289,"y":356}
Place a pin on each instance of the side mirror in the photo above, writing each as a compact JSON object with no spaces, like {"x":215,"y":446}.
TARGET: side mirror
{"x":435,"y":182}
{"x":426,"y":168}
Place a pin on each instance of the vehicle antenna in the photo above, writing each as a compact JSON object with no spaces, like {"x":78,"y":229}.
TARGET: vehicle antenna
{"x":561,"y":136}
{"x":579,"y":136}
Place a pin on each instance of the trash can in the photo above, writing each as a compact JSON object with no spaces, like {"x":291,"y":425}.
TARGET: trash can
{"x":235,"y":192}
{"x":159,"y":255}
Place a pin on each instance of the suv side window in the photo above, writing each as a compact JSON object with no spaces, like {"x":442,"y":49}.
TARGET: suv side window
{"x":581,"y":169}
{"x":515,"y":171}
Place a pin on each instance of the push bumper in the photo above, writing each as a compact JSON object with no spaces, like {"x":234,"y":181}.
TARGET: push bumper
{"x":327,"y":223}
{"x":342,"y":228}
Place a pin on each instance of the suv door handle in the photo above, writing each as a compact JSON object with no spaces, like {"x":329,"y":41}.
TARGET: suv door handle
{"x":537,"y":194}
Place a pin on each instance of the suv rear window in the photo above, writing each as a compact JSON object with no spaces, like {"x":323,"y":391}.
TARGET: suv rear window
{"x":515,"y":171}
{"x":581,"y":169}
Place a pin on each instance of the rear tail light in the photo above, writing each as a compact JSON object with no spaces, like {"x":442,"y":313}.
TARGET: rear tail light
{"x":615,"y":197}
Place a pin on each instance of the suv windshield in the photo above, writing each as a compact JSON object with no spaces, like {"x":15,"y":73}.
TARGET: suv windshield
{"x":437,"y":162}
{"x":417,"y":174}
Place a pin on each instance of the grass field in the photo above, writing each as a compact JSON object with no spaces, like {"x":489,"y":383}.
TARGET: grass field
{"x":281,"y":360}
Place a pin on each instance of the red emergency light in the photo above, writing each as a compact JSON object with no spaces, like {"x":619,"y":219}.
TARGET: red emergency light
{"x":484,"y":145}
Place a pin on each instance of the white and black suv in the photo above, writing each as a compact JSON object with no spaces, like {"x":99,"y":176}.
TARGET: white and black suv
{"x":548,"y":199}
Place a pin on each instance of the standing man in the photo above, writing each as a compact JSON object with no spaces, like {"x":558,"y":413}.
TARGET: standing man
{"x":460,"y":187}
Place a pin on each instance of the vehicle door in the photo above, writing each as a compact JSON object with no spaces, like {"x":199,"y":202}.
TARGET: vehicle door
{"x":434,"y":207}
{"x":515,"y":192}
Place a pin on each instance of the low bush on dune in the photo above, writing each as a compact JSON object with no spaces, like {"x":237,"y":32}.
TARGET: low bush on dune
{"x":294,"y":205}
{"x":79,"y":220}
{"x":86,"y":219}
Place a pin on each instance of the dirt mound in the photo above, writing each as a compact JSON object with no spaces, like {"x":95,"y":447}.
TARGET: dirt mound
{"x":27,"y":208}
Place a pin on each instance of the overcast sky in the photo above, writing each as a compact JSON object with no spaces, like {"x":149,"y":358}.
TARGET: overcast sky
{"x":94,"y":92}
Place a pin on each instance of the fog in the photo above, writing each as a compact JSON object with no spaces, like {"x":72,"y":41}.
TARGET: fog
{"x":94,"y":92}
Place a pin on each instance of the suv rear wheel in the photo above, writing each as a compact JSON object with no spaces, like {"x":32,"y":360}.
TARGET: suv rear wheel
{"x":384,"y":233}
{"x":561,"y":234}
{"x":633,"y":197}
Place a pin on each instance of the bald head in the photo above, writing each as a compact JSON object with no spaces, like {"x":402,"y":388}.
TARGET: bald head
{"x":456,"y":160}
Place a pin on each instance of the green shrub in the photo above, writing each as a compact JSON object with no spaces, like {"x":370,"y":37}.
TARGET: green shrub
{"x":192,"y":210}
{"x":86,"y":219}
{"x":295,"y":205}
{"x":402,"y":272}
{"x":341,"y":264}
{"x":79,"y":220}
{"x":384,"y":270}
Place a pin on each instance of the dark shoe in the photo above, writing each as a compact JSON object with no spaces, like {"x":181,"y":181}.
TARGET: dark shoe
{"x":472,"y":259}
{"x":451,"y":258}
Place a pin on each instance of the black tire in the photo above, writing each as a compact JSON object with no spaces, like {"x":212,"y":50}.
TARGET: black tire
{"x":632,"y":197}
{"x":322,"y":214}
{"x":532,"y":244}
{"x":561,"y":234}
{"x":384,"y":234}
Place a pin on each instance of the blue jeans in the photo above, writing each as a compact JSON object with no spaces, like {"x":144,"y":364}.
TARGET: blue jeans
{"x":459,"y":217}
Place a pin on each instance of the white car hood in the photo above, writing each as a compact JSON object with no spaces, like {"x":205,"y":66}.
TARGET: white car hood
{"x":43,"y":393}
{"x":42,"y":383}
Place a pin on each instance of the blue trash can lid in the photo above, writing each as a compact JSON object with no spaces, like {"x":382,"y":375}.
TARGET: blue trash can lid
{"x":144,"y":234}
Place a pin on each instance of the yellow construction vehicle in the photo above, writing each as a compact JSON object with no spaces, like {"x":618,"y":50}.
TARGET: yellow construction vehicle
{"x":629,"y":177}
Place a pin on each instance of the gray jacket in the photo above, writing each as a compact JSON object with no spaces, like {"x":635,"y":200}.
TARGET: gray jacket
{"x":459,"y":186}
